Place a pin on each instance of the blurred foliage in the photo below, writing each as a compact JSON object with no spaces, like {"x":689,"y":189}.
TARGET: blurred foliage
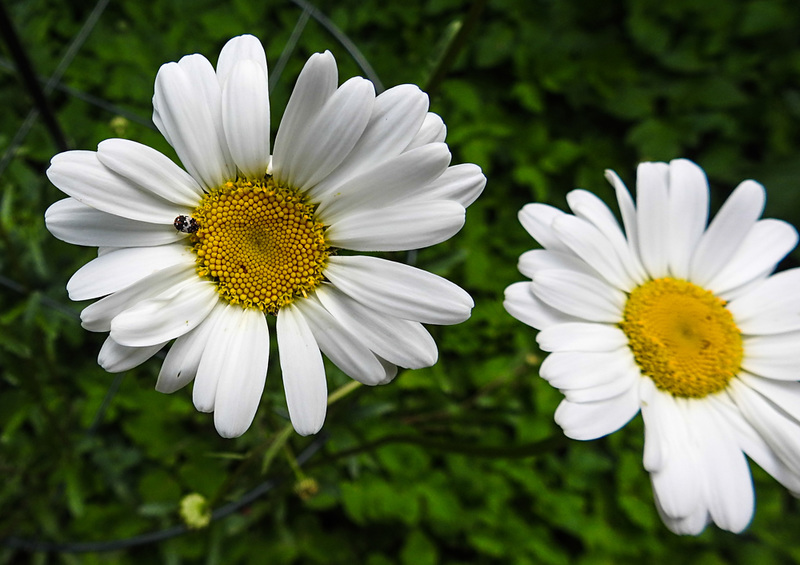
{"x":459,"y":463}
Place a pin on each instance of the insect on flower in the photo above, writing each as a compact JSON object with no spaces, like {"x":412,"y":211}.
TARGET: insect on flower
{"x":186,"y":224}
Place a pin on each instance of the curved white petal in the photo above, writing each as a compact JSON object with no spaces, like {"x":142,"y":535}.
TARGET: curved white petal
{"x":627,"y":210}
{"x":315,"y":85}
{"x":570,"y":370}
{"x":393,"y":181}
{"x":767,"y":242}
{"x":165,"y":317}
{"x":183,"y":358}
{"x":432,"y":130}
{"x":580,"y":295}
{"x":463,"y":183}
{"x":591,"y":245}
{"x":537,"y":219}
{"x":116,"y":358}
{"x":399,"y":290}
{"x":784,"y":394}
{"x":329,"y":137}
{"x":400,"y":342}
{"x":652,"y":200}
{"x":687,"y":213}
{"x":536,"y":260}
{"x":581,"y":336}
{"x":242,"y":369}
{"x":242,"y":48}
{"x":770,"y":307}
{"x":303,"y":372}
{"x":727,"y":231}
{"x":412,"y":225}
{"x":151,"y":170}
{"x":341,"y":346}
{"x":81,"y":175}
{"x":188,"y":102}
{"x":396,"y":116}
{"x":97,"y":316}
{"x":591,"y":420}
{"x":521,"y":303}
{"x":245,"y":117}
{"x":120,"y":268}
{"x":79,"y":224}
{"x":589,"y":207}
{"x":773,"y":356}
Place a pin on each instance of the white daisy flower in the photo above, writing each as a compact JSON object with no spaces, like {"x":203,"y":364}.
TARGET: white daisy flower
{"x":204,"y":256}
{"x":681,"y":321}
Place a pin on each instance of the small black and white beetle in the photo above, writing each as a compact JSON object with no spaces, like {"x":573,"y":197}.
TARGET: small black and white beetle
{"x":186,"y":224}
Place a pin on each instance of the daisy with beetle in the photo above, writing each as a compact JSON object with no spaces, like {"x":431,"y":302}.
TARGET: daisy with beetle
{"x":201,"y":257}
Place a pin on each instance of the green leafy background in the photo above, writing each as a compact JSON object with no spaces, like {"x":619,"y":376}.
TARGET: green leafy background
{"x":459,"y":463}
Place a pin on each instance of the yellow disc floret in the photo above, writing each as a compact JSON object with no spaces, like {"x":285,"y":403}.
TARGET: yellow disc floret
{"x":682,"y":337}
{"x":259,"y":242}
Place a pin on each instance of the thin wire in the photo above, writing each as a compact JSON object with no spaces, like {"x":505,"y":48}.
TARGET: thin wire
{"x":288,"y":49}
{"x":161,"y":535}
{"x":65,"y":62}
{"x":351,"y":48}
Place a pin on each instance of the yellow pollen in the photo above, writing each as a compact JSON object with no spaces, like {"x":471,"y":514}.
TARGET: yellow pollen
{"x":682,"y":337}
{"x":259,"y":242}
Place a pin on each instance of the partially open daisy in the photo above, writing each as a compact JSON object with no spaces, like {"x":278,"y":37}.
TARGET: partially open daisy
{"x":681,"y":321}
{"x":204,"y":256}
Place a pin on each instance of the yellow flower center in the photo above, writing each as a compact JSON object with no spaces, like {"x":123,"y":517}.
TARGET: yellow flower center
{"x":682,"y":337}
{"x":259,"y":242}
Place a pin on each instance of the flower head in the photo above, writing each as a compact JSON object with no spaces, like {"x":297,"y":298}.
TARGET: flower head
{"x":201,"y":257}
{"x":677,"y":319}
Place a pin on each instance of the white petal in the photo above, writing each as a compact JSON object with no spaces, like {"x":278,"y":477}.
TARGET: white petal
{"x":580,"y":295}
{"x":218,"y":328}
{"x":570,"y":370}
{"x":303,"y":372}
{"x":116,"y":358}
{"x":188,"y":104}
{"x":763,"y":247}
{"x":79,"y":224}
{"x":151,"y":170}
{"x":773,"y":356}
{"x":166,"y":317}
{"x":97,"y":316}
{"x":81,"y":175}
{"x":585,"y":421}
{"x":727,"y":231}
{"x":589,"y":207}
{"x":241,"y":48}
{"x":396,"y":116}
{"x":432,"y":130}
{"x":316,"y":83}
{"x":245,"y":117}
{"x":462,"y":183}
{"x":627,"y":210}
{"x":670,"y":454}
{"x":521,"y":303}
{"x":393,"y":181}
{"x":183,"y":358}
{"x":771,"y":307}
{"x":340,"y":345}
{"x":687,"y":213}
{"x":536,"y":260}
{"x":581,"y":337}
{"x":399,"y":290}
{"x":785,"y":395}
{"x":728,"y":484}
{"x":652,"y":202}
{"x":411,"y":225}
{"x":589,"y":243}
{"x":537,"y":219}
{"x":401,"y":342}
{"x":330,"y":136}
{"x":120,"y":268}
{"x":242,"y":370}
{"x":782,"y":434}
